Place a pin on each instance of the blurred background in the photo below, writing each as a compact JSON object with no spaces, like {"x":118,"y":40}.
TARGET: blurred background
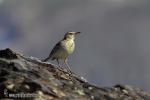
{"x":114,"y":46}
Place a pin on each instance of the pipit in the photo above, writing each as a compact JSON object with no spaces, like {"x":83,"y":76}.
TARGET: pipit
{"x":63,"y":49}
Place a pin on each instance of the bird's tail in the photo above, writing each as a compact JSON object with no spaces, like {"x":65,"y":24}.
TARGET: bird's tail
{"x":46,"y":59}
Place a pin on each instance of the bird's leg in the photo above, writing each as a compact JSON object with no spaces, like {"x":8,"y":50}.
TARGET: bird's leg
{"x":67,"y":65}
{"x":58,"y":63}
{"x":61,"y":68}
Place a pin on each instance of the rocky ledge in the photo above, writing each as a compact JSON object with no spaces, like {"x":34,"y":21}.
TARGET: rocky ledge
{"x":25,"y":78}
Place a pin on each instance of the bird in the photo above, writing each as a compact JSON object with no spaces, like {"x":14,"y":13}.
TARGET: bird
{"x":63,"y":49}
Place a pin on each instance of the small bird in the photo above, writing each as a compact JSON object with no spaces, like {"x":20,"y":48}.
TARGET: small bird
{"x":63,"y":49}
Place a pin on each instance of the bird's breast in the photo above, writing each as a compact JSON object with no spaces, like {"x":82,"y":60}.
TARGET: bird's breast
{"x":69,"y":46}
{"x":64,"y":49}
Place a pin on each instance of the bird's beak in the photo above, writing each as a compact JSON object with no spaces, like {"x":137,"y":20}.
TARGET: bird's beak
{"x":77,"y":33}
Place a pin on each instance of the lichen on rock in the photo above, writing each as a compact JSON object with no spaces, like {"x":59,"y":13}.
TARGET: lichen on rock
{"x":28,"y":78}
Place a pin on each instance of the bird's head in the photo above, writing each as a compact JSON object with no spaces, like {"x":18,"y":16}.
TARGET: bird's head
{"x":71,"y":35}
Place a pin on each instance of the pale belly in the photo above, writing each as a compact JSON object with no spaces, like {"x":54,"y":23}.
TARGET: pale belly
{"x":65,"y":51}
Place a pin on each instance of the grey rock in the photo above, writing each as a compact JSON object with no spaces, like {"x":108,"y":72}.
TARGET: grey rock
{"x":28,"y":78}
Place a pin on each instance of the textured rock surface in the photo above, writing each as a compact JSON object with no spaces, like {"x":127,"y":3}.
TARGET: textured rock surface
{"x":28,"y":78}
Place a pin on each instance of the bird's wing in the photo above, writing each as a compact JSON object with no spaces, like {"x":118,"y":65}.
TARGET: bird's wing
{"x":56,"y":48}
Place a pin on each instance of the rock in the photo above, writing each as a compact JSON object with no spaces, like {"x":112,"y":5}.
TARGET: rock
{"x":28,"y":78}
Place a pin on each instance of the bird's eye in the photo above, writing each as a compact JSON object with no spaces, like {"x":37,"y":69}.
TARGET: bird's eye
{"x":70,"y":34}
